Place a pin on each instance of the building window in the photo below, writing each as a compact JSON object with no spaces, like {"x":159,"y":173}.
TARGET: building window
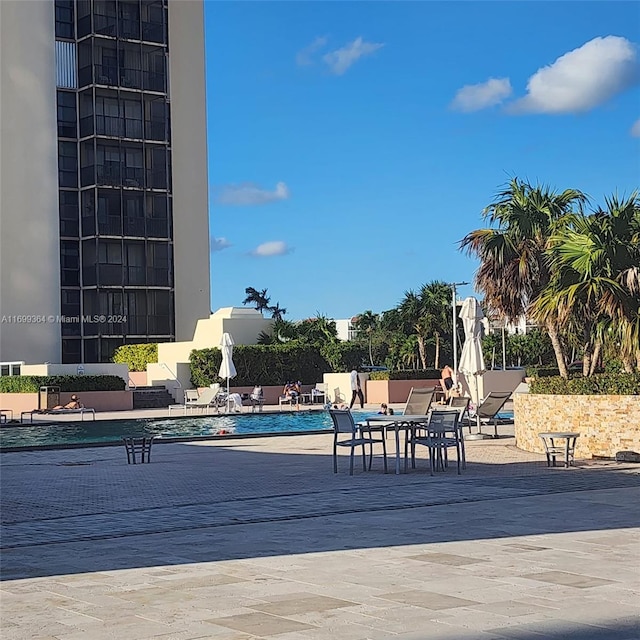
{"x":129,"y":19}
{"x":69,"y":214}
{"x":132,"y":206}
{"x":153,"y":21}
{"x":71,"y":351}
{"x":109,"y":264}
{"x":69,"y":263}
{"x":70,"y":309}
{"x":108,"y":120}
{"x":157,"y":214}
{"x":64,"y":19}
{"x":67,"y":164}
{"x":159,"y":264}
{"x":66,"y":114}
{"x":160,"y":312}
{"x":109,"y":212}
{"x":135,"y":263}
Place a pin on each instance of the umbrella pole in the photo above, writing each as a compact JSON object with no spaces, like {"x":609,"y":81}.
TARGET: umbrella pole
{"x":479,"y":435}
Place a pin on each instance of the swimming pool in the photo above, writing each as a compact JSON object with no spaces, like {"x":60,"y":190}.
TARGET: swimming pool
{"x":103,"y":432}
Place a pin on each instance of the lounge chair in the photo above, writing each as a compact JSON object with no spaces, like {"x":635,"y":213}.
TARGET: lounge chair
{"x":60,"y":412}
{"x":419,"y":401}
{"x":209,"y":399}
{"x":190,"y":399}
{"x":489,"y":408}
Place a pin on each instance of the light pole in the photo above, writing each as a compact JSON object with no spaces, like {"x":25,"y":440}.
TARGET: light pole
{"x":453,"y":286}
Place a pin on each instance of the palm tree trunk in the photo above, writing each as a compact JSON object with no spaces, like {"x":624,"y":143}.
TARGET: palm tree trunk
{"x":436,"y":364}
{"x":370,"y":352}
{"x":423,"y":351}
{"x":552,"y":330}
{"x":595,"y":357}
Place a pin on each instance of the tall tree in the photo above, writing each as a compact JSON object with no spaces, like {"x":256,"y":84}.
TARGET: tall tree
{"x":596,"y":279}
{"x":257,"y":298}
{"x":514,"y":264}
{"x":367,"y":322}
{"x":276,"y":311}
{"x":411,"y":312}
{"x":435,"y":298}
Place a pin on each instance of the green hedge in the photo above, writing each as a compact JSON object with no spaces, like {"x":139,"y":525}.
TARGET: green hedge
{"x":261,"y":364}
{"x":537,"y":371}
{"x":409,"y":374}
{"x":624,"y":384}
{"x":32,"y":384}
{"x":136,"y":356}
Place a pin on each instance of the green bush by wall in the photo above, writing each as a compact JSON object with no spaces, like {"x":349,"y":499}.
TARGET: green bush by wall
{"x":409,"y":374}
{"x":32,"y":384}
{"x":624,"y":384}
{"x":261,"y":364}
{"x":136,"y":356}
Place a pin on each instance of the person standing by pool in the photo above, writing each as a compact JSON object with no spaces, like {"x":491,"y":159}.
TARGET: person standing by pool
{"x":446,"y":380}
{"x":356,"y":389}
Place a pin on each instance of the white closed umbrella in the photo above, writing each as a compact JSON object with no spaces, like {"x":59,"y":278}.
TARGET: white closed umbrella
{"x":227,"y":368}
{"x":471,"y":359}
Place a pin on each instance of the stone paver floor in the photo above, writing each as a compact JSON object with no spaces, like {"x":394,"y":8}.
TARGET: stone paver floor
{"x":257,"y":538}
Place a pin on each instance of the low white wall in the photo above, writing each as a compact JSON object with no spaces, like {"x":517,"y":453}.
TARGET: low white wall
{"x":175,"y":379}
{"x":342,"y":382}
{"x":93,"y":369}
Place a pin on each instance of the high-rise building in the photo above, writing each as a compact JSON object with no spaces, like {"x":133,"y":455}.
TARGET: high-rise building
{"x":103,"y":177}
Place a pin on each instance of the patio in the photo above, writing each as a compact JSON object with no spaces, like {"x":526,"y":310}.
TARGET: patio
{"x":257,"y":538}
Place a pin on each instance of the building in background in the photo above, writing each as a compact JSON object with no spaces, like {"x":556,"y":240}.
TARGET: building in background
{"x":104,"y":199}
{"x":345,"y":329}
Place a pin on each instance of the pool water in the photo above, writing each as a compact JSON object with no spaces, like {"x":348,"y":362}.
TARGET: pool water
{"x":112,"y":431}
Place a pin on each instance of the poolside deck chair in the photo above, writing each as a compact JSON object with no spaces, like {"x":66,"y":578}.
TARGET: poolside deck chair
{"x":190,"y":399}
{"x":209,"y":399}
{"x":59,"y":412}
{"x":419,"y":401}
{"x":489,"y":408}
{"x":343,"y":423}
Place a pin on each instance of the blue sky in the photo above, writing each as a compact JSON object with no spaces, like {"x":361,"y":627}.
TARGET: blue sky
{"x":353,"y":144}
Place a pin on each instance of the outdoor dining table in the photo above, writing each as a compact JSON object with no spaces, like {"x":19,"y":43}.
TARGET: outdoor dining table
{"x":397,"y":423}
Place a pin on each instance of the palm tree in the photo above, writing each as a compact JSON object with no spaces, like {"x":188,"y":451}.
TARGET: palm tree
{"x":367,"y":322}
{"x":596,"y":279}
{"x":411,"y":312}
{"x":436,"y":310}
{"x":514,"y":265}
{"x":277,"y":312}
{"x":257,"y":298}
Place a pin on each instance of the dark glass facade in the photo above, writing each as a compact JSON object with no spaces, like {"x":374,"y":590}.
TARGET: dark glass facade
{"x":114,"y":176}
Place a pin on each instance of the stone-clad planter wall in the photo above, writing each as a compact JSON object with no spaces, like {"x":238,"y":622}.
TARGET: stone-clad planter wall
{"x":607,"y":424}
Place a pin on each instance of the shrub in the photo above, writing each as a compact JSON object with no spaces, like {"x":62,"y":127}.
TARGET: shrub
{"x":538,"y":371}
{"x":261,"y":364}
{"x":32,"y":384}
{"x":600,"y":384}
{"x":409,"y":374}
{"x":136,"y":356}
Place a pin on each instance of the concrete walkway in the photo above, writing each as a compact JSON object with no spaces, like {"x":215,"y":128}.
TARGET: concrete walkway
{"x":240,"y":539}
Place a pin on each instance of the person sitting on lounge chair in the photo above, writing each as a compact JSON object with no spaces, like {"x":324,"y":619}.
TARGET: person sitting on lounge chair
{"x":73,"y":404}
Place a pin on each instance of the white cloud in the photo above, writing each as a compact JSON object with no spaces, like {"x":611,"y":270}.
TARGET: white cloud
{"x":304,"y":57}
{"x":218,"y":244}
{"x":473,"y":97}
{"x":581,"y":79}
{"x":341,"y":59}
{"x":273,"y":248}
{"x":635,"y":129}
{"x":247,"y":194}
